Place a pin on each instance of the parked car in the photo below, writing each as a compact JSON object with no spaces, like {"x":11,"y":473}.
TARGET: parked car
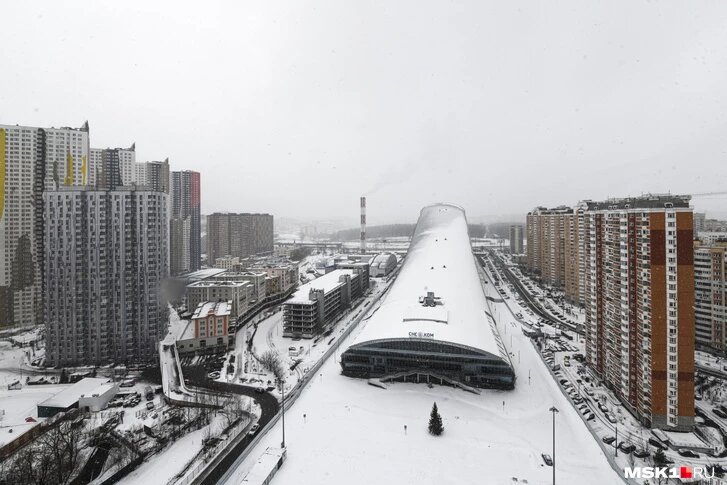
{"x":547,"y":459}
{"x":608,"y":439}
{"x":719,"y":413}
{"x":590,"y":417}
{"x":254,"y":429}
{"x":626,"y":448}
{"x":150,"y":405}
{"x":656,"y":443}
{"x":641,"y":454}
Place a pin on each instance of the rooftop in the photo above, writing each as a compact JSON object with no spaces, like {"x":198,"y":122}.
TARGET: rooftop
{"x":203,"y":274}
{"x":216,"y":308}
{"x":99,"y":390}
{"x":208,"y":283}
{"x":268,"y":461}
{"x":328,"y":282}
{"x":440,"y":261}
{"x":646,"y":201}
{"x":69,"y":396}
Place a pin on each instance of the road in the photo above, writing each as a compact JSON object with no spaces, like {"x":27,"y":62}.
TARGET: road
{"x":268,"y":404}
{"x":531,"y":302}
{"x":624,"y":433}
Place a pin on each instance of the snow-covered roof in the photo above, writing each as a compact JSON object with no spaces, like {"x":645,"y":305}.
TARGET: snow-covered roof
{"x":69,"y":396}
{"x":99,"y":390}
{"x":439,"y":260}
{"x":203,"y":274}
{"x":328,"y":282}
{"x":264,"y":465}
{"x":207,"y":308}
{"x":383,"y":258}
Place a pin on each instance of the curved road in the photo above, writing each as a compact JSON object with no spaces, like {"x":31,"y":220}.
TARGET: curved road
{"x":269,"y":405}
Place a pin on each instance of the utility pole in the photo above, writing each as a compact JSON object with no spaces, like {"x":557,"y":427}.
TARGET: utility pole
{"x":554,"y":410}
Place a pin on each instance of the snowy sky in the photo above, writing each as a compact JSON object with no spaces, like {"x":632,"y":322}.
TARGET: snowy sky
{"x":297,"y":108}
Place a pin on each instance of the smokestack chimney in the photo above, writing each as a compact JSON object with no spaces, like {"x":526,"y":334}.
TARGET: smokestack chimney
{"x":363,"y":225}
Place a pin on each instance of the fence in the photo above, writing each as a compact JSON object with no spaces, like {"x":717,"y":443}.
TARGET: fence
{"x":240,"y":429}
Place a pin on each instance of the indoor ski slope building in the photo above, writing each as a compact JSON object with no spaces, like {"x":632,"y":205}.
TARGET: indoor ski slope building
{"x":434,"y":322}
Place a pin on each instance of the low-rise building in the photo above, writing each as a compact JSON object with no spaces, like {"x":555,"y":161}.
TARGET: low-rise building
{"x":255,"y":278}
{"x":227,"y":262}
{"x":383,"y":264}
{"x":69,"y":397}
{"x":238,"y":293}
{"x":314,"y":306}
{"x":97,"y":398}
{"x":361,"y":267}
{"x":711,"y":237}
{"x":211,"y":319}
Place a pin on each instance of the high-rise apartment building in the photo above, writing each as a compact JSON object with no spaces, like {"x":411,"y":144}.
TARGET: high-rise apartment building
{"x":239,"y":235}
{"x":66,"y":154}
{"x":31,"y":159}
{"x":111,"y":167}
{"x":639,"y":295}
{"x":516,"y":239}
{"x":710,"y":295}
{"x":185,"y":230}
{"x":154,"y":175}
{"x":105,"y":259}
{"x":546,"y":233}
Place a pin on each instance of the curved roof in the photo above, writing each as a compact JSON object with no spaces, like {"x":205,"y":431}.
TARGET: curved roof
{"x":439,"y":260}
{"x":383,"y":258}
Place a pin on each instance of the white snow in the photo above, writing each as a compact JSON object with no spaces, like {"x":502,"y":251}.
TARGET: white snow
{"x":439,"y":260}
{"x":355,"y":433}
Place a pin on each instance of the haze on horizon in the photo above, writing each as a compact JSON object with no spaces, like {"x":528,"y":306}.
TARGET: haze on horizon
{"x":298,"y":108}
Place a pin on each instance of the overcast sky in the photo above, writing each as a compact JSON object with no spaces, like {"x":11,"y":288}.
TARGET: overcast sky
{"x":298,"y":108}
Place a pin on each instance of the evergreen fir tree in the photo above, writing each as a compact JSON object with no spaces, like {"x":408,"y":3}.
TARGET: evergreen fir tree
{"x":659,"y":458}
{"x":435,"y":421}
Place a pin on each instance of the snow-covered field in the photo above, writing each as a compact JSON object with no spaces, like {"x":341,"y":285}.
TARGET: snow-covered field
{"x":354,"y":433}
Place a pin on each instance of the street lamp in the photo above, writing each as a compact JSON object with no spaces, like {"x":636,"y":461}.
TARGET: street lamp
{"x":282,"y":390}
{"x":554,"y":410}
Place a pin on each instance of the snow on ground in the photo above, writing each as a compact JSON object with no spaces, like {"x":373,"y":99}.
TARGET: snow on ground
{"x":19,"y":404}
{"x":269,"y":336}
{"x":354,"y":433}
{"x":165,"y":465}
{"x":176,"y":325}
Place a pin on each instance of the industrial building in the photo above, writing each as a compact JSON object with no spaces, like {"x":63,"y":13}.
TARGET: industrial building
{"x":433,"y":322}
{"x":383,"y":264}
{"x":96,"y":392}
{"x":315,"y":305}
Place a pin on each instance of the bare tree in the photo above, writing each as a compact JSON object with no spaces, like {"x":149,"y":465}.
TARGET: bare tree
{"x":271,"y":361}
{"x":52,"y":458}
